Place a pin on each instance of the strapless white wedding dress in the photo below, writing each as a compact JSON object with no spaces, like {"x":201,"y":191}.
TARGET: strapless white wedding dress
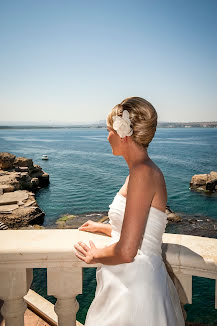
{"x":140,"y":293}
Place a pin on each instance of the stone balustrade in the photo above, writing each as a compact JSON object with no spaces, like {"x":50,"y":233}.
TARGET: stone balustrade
{"x":23,"y":250}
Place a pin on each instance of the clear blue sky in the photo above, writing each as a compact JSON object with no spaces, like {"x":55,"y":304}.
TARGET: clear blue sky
{"x":72,"y":61}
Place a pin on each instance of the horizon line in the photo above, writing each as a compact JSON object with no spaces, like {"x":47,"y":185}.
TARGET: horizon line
{"x":39,"y":123}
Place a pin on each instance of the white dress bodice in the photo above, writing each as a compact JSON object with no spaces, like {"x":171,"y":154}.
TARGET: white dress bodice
{"x":155,"y":226}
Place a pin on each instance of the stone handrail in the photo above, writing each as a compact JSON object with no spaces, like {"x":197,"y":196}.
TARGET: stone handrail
{"x":23,"y":250}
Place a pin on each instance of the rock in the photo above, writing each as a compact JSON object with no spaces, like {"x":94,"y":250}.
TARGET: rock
{"x":63,"y":220}
{"x":18,"y":207}
{"x":24,"y":175}
{"x":8,"y":208}
{"x":74,"y":221}
{"x":213,"y":176}
{"x":173,"y":217}
{"x":24,"y":180}
{"x":6,"y":188}
{"x":32,"y":202}
{"x":14,"y":204}
{"x":18,"y":196}
{"x":35,"y":182}
{"x":204,"y":182}
{"x":3,"y":226}
{"x":14,"y":179}
{"x":36,"y":171}
{"x":32,"y":227}
{"x":23,"y":216}
{"x":199,"y":180}
{"x":21,"y":169}
{"x":191,"y":225}
{"x":104,"y":219}
{"x":23,"y":162}
{"x":212,"y":181}
{"x":185,"y":224}
{"x":6,"y":160}
{"x":44,"y":180}
{"x":36,"y":227}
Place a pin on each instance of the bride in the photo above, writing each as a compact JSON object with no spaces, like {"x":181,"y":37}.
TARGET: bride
{"x":133,"y":286}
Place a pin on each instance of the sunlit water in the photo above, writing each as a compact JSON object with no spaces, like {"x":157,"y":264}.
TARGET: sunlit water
{"x":85,"y":176}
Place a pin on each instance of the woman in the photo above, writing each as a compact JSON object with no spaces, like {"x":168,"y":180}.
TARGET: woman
{"x":133,"y":286}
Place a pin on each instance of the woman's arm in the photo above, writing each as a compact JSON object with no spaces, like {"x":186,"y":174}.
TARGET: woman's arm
{"x":110,"y":255}
{"x":105,"y":228}
{"x":94,"y":227}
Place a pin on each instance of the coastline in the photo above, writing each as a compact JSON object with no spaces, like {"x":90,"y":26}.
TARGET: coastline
{"x":179,"y":223}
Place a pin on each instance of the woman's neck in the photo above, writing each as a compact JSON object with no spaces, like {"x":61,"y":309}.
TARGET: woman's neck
{"x":135,"y":155}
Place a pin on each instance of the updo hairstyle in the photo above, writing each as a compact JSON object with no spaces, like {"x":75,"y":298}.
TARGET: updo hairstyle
{"x":143,"y":117}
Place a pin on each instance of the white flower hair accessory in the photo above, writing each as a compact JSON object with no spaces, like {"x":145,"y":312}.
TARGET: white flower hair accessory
{"x":122,"y":124}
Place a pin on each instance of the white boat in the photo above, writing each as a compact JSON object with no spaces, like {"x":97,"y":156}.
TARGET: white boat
{"x":44,"y":157}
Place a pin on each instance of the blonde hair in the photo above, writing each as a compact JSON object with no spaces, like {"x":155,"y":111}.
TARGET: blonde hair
{"x":143,"y":117}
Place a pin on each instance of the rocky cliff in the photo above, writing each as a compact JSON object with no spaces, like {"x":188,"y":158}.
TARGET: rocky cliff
{"x":19,"y":179}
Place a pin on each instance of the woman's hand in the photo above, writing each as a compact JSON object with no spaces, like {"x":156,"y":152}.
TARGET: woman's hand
{"x":88,"y":252}
{"x":89,"y":226}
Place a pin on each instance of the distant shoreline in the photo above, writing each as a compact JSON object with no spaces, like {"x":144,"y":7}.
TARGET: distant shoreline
{"x":49,"y":127}
{"x":92,"y":126}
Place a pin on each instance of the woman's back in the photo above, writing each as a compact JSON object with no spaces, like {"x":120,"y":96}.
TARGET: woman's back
{"x":160,"y":198}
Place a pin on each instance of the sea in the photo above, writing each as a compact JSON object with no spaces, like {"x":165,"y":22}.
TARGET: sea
{"x":85,"y":176}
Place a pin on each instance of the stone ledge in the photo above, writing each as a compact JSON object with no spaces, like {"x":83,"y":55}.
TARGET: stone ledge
{"x":41,"y":307}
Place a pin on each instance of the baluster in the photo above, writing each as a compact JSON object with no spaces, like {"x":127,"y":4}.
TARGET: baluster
{"x":183,"y":284}
{"x":65,"y":284}
{"x":14,"y":285}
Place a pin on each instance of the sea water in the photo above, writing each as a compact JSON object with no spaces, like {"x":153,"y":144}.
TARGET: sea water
{"x":85,"y":176}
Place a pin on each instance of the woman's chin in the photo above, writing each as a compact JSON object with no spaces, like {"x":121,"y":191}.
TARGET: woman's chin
{"x":115,"y":153}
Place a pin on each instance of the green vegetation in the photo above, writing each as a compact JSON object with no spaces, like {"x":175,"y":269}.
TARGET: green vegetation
{"x":65,"y":218}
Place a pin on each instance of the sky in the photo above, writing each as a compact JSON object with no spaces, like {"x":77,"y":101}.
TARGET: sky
{"x":73,"y":61}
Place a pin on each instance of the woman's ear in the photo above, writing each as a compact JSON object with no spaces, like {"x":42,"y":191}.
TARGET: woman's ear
{"x":124,"y":139}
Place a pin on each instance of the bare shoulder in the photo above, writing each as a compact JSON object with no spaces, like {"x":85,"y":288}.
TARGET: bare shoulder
{"x":149,"y":167}
{"x":147,"y":175}
{"x":141,"y":176}
{"x":139,"y":172}
{"x":149,"y":171}
{"x":151,"y":175}
{"x":158,"y":175}
{"x":160,"y":198}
